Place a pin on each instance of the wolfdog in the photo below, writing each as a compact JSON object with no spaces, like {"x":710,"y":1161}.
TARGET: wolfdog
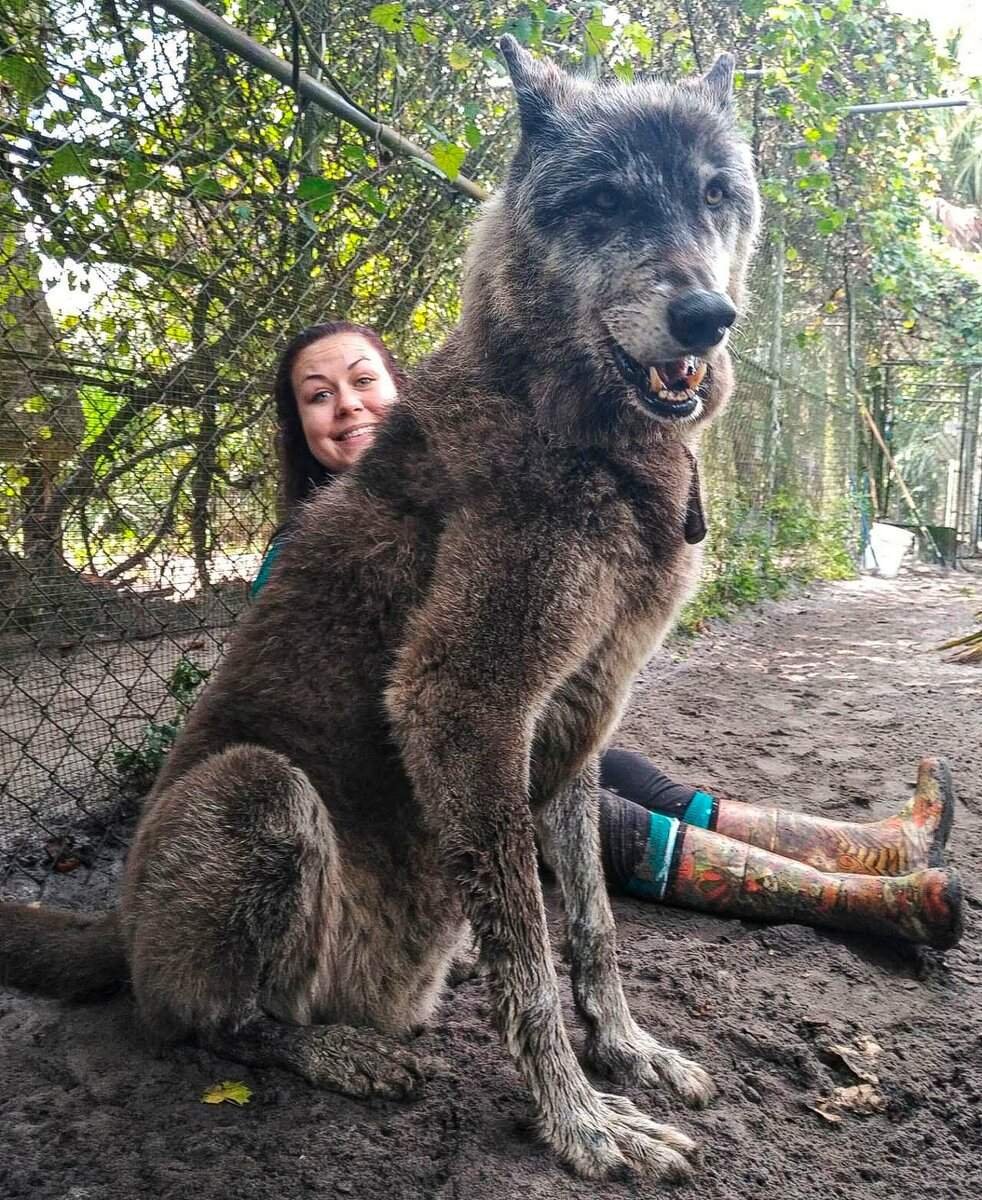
{"x":447,"y":643}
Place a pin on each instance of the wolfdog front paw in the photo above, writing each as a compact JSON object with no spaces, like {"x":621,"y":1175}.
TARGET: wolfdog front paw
{"x":608,"y":1138}
{"x":360,"y":1063}
{"x":632,"y":1056}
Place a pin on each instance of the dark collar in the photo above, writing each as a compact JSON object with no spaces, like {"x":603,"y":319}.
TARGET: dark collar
{"x":695,"y":520}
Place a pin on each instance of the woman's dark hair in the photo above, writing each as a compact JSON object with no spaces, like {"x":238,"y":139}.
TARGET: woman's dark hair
{"x":300,"y":472}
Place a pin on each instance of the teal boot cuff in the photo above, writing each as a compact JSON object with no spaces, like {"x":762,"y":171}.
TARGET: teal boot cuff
{"x":650,"y":878}
{"x":701,"y":811}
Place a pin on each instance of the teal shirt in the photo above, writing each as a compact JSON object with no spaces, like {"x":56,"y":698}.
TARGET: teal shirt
{"x":266,"y":567}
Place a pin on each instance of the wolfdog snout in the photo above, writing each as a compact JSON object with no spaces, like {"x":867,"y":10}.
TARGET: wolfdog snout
{"x":699,"y":320}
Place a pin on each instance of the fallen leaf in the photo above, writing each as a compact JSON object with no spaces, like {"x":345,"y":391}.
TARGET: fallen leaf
{"x":231,"y":1090}
{"x":862,"y":1099}
{"x":822,"y":1108}
{"x":855,"y":1061}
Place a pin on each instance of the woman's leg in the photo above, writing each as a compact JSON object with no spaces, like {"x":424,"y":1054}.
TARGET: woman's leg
{"x":717,"y":874}
{"x":636,"y":778}
{"x":911,"y":839}
{"x":657,"y":857}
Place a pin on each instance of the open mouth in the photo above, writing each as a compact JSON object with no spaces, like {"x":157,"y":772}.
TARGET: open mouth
{"x":669,"y":389}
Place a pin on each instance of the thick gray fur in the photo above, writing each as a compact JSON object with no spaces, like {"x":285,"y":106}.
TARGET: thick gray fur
{"x":445,"y":646}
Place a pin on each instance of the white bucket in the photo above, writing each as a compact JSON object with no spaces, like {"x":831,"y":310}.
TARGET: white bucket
{"x":886,"y":548}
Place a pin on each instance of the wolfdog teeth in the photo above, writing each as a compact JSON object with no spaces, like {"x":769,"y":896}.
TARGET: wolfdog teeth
{"x":695,"y":371}
{"x":690,"y":371}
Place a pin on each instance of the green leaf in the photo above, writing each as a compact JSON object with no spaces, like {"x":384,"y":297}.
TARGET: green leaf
{"x":231,"y":1091}
{"x":520,"y":28}
{"x":597,"y":35}
{"x":830,"y":223}
{"x":312,"y":186}
{"x":639,"y":38}
{"x":317,"y":193}
{"x":68,"y":160}
{"x":625,"y":72}
{"x":473,"y":135}
{"x":28,"y":79}
{"x":355,"y":156}
{"x":459,"y":57}
{"x":389,"y":17}
{"x":139,"y":175}
{"x":449,"y":157}
{"x":371,"y":197}
{"x":421,"y":34}
{"x":206,"y":188}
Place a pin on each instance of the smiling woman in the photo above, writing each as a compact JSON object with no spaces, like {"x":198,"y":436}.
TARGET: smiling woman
{"x":343,"y":391}
{"x":332,"y":380}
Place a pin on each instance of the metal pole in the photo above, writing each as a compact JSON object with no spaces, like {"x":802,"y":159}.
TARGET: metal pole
{"x":906,"y":105}
{"x":976,"y":538}
{"x":775,"y":359}
{"x":969,"y":462}
{"x":217,"y":30}
{"x":884,"y":477}
{"x":963,"y":517}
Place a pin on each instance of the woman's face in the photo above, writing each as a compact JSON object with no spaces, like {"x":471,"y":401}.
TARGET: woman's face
{"x":343,"y":392}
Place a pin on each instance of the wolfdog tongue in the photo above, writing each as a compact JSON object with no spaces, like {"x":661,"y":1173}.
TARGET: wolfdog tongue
{"x":679,"y":375}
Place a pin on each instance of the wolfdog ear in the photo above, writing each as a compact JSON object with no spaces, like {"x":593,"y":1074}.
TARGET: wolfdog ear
{"x":540,"y":87}
{"x":718,"y":80}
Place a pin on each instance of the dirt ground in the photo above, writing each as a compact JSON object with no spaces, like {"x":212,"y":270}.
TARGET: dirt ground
{"x":822,"y":703}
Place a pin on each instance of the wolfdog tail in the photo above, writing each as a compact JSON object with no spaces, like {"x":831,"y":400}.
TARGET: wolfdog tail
{"x":66,"y":955}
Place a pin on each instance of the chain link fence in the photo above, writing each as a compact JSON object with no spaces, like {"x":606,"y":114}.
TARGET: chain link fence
{"x":169,"y":215}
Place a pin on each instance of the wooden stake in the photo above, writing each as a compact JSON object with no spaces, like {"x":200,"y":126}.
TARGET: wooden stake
{"x":891,"y":462}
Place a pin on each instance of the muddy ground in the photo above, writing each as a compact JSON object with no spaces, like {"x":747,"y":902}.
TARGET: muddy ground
{"x":821,"y":703}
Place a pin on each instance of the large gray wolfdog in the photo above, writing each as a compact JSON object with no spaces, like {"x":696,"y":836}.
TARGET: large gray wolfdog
{"x":446,"y":645}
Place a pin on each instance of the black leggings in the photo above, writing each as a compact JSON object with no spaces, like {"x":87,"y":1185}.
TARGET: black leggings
{"x":636,"y":778}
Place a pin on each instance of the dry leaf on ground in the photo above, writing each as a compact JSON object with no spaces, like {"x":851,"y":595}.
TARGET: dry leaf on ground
{"x":862,"y":1100}
{"x":858,"y":1059}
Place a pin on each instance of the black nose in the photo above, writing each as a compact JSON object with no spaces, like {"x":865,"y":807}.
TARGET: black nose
{"x":700,"y":319}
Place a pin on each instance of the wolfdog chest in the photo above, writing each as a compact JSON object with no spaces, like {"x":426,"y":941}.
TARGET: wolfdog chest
{"x":642,"y":516}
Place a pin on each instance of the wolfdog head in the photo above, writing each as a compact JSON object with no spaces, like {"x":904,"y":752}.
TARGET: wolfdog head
{"x":609,"y":269}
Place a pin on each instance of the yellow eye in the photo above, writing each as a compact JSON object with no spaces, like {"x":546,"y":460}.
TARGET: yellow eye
{"x":714,"y":195}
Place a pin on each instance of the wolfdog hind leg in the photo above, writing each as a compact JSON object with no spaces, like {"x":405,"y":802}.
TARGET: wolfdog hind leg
{"x":230,"y":909}
{"x":617,"y":1046}
{"x":357,"y":1062}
